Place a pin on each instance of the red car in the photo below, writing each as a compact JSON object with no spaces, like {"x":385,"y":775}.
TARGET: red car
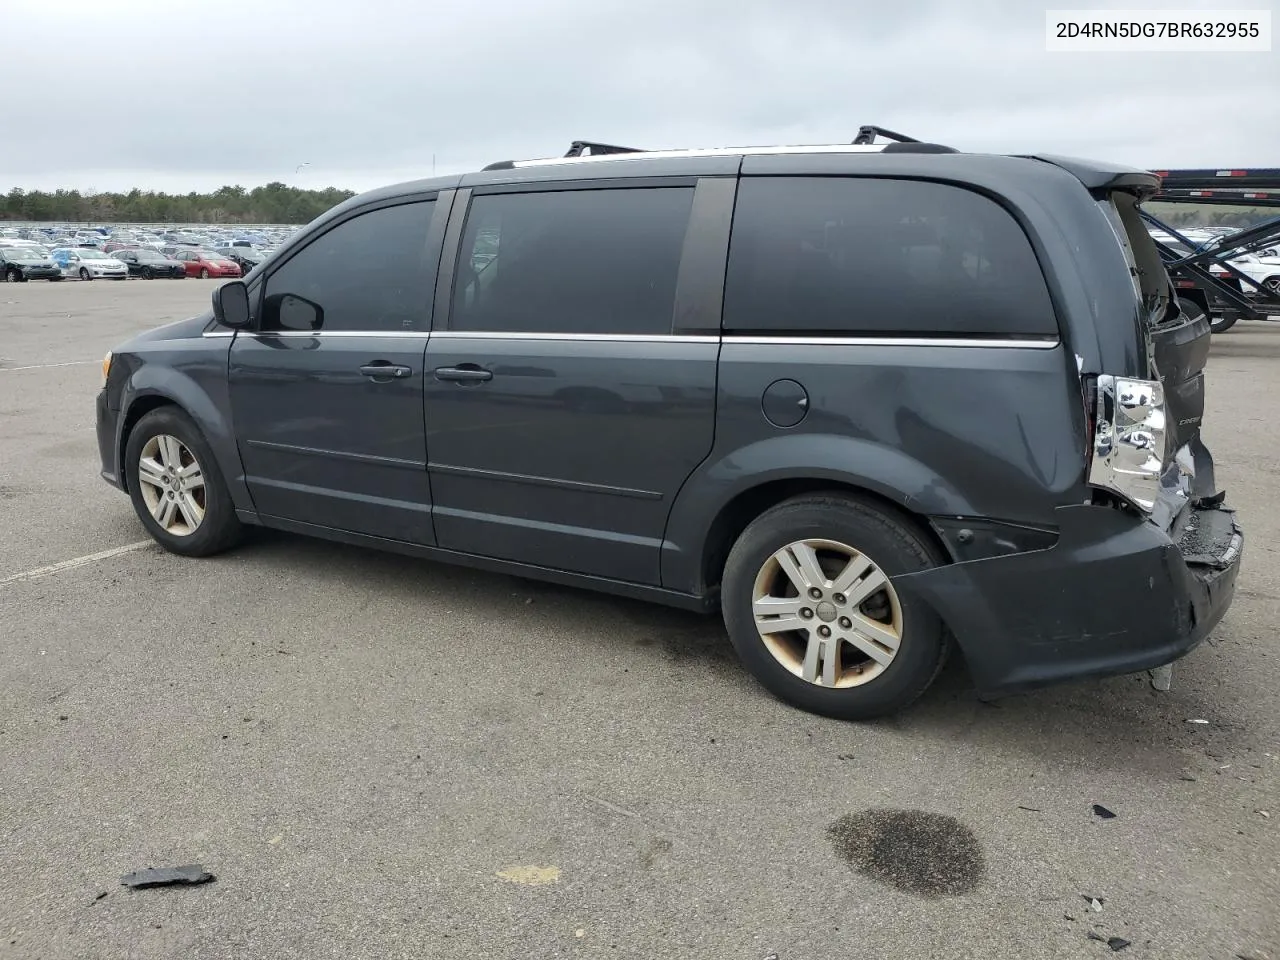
{"x":203,"y":264}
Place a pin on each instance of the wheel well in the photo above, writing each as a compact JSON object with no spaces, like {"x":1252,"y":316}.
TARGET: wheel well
{"x":137,"y":410}
{"x":734,"y":517}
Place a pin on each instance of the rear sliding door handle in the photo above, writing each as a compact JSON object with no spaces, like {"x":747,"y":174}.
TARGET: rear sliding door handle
{"x":466,"y":373}
{"x":385,"y":371}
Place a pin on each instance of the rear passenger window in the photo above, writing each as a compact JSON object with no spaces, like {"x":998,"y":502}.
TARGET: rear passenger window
{"x":866,"y":256}
{"x":571,"y":261}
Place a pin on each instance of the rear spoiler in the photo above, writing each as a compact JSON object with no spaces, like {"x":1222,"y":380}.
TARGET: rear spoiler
{"x":1097,"y":176}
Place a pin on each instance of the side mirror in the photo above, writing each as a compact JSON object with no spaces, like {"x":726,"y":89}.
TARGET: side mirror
{"x":231,"y":305}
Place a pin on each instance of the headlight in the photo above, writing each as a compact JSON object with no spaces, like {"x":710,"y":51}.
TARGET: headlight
{"x":106,"y":367}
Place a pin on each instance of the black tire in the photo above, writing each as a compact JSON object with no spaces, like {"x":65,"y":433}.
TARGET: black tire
{"x":85,"y":274}
{"x":1222,"y":324}
{"x":148,"y":274}
{"x":882,"y":537}
{"x":221,"y":528}
{"x":204,"y":274}
{"x":13,"y":275}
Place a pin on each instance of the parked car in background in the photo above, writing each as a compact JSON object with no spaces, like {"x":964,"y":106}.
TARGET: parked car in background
{"x":19,"y":264}
{"x":89,"y":264}
{"x":205,"y":264}
{"x":246,"y":258}
{"x":113,"y":246}
{"x":149,"y":264}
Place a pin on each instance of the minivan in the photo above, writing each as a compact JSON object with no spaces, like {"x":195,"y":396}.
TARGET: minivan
{"x":868,"y":402}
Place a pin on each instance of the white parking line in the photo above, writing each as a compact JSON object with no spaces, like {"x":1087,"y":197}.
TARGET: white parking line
{"x":41,"y":366}
{"x":61,"y":565}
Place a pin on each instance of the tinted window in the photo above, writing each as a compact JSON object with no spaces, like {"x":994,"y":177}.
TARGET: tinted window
{"x":368,"y":273}
{"x":879,"y":256}
{"x":574,"y":261}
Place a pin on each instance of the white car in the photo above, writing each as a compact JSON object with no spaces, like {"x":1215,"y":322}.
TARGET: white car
{"x":89,"y":264}
{"x":1264,"y":268}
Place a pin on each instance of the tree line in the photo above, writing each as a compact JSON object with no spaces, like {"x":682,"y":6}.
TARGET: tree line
{"x":273,"y":203}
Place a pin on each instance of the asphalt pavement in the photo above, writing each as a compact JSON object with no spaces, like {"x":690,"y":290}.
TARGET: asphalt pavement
{"x":380,"y":757}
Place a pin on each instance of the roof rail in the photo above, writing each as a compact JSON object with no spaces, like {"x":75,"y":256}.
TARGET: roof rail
{"x":868,"y":134}
{"x":901,"y":143}
{"x":583,"y":148}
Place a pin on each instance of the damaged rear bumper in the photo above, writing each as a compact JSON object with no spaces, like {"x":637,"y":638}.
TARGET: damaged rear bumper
{"x":1115,"y":595}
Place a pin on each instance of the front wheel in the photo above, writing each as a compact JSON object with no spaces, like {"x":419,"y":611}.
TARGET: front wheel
{"x":147,"y":274}
{"x":811,"y":609}
{"x":85,"y":274}
{"x":13,"y":275}
{"x":204,"y":274}
{"x":176,"y":487}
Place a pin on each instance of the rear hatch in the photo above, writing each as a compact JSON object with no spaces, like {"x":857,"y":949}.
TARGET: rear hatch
{"x":1178,"y":350}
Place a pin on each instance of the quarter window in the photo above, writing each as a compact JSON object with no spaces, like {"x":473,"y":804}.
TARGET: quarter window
{"x":871,"y":256}
{"x":369,"y":274}
{"x":595,"y":261}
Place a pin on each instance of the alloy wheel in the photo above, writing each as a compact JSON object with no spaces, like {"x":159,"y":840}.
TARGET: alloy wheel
{"x":827,"y":613}
{"x":172,"y":485}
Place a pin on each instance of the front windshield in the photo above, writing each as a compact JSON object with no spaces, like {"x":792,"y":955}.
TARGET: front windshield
{"x":24,"y":253}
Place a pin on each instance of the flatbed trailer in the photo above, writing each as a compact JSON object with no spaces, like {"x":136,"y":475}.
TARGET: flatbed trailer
{"x":1205,"y":277}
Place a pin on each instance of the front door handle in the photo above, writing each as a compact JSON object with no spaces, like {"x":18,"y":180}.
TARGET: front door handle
{"x":382,"y":370}
{"x":464,"y":373}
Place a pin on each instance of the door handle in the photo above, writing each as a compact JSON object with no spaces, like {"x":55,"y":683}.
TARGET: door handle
{"x":382,"y":370}
{"x":464,"y":373}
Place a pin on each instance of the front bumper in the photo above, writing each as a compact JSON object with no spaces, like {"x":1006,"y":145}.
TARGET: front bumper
{"x":1115,"y":595}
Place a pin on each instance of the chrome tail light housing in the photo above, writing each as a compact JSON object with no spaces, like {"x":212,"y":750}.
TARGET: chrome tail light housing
{"x":1130,"y":436}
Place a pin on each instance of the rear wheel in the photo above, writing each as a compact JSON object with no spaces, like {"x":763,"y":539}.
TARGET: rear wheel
{"x":176,"y":488}
{"x":1221,"y":324}
{"x":147,"y":274}
{"x":811,"y":609}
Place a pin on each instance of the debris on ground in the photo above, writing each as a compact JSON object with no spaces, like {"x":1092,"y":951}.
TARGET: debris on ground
{"x":1029,"y":809}
{"x":1253,"y":955}
{"x":1103,"y":812}
{"x":1094,"y":935}
{"x":1162,"y":678}
{"x":1197,"y":721}
{"x":1117,"y":944}
{"x":1095,"y":903}
{"x":100,"y":896}
{"x":187,"y":875}
{"x":1264,"y":813}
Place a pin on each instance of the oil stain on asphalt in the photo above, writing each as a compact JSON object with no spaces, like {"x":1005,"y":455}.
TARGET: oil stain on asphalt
{"x":923,"y":853}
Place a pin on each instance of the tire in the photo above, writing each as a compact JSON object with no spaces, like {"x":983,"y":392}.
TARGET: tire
{"x":13,"y":276}
{"x":218,"y":528}
{"x":1222,"y":324}
{"x":148,"y":274}
{"x":85,"y":274}
{"x":857,"y":687}
{"x":204,"y":274}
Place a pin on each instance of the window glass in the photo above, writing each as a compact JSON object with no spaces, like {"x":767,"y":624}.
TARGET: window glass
{"x":370,"y":273}
{"x":571,"y":261}
{"x":868,"y":256}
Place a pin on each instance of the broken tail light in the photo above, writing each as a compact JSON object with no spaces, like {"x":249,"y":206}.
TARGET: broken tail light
{"x":1127,"y":424}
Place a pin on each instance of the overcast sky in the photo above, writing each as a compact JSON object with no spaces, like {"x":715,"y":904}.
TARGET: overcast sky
{"x":192,"y":94}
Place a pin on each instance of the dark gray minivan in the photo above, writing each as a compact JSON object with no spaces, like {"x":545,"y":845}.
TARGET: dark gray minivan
{"x":865,"y":400}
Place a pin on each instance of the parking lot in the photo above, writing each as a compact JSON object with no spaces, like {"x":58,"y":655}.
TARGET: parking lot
{"x":383,"y":757}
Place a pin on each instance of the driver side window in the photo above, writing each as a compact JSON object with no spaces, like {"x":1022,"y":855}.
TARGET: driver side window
{"x":368,"y":274}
